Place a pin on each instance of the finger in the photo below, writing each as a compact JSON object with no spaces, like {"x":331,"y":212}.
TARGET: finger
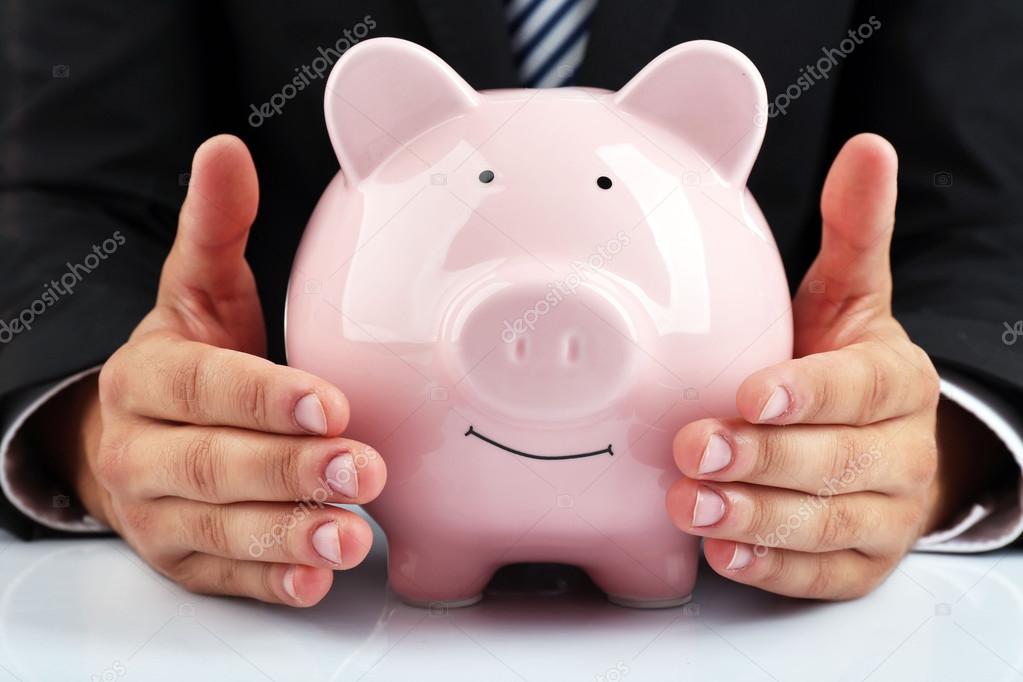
{"x":820,"y":460}
{"x":274,"y":583}
{"x":306,"y":534}
{"x":166,"y":377}
{"x":859,"y":384}
{"x":223,"y":465}
{"x":852,"y":270}
{"x":773,"y":517}
{"x":208,"y":255}
{"x":843,"y":574}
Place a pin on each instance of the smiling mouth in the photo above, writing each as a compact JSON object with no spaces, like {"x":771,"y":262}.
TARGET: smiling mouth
{"x":474,"y":432}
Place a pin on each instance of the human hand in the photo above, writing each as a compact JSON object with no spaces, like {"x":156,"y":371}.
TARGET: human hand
{"x":828,"y":477}
{"x":212,"y":462}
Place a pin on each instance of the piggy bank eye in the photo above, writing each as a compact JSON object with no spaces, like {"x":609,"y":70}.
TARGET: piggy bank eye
{"x":604,"y":182}
{"x":486,"y":176}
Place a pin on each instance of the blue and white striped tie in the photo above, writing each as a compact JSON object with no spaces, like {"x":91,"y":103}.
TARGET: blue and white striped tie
{"x":548,"y":39}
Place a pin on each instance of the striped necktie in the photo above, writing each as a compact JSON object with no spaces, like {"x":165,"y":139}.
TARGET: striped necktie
{"x":548,"y":39}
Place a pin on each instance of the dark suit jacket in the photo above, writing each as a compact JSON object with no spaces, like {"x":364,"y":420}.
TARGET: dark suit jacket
{"x":103,"y":104}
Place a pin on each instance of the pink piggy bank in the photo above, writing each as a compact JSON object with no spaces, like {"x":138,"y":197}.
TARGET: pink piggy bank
{"x":525,"y":294}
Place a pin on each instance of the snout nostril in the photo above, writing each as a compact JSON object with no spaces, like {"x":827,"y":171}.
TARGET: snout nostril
{"x":572,"y":349}
{"x":519,"y":349}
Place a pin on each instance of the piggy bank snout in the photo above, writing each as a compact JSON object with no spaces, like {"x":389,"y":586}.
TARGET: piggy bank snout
{"x":532,"y":352}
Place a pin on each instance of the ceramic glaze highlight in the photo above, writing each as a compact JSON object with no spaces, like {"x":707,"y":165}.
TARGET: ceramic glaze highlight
{"x":525,"y":294}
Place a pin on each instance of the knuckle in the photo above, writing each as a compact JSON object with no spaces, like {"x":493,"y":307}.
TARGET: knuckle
{"x":777,"y":569}
{"x":266,"y":580}
{"x":762,"y":521}
{"x":878,"y":392}
{"x":841,"y":455}
{"x":251,"y":396}
{"x":930,"y":380}
{"x":178,"y":571}
{"x":283,"y":470}
{"x":922,"y":463}
{"x":279,"y":527}
{"x":869,"y":578}
{"x":186,"y":575}
{"x":822,"y":584}
{"x":914,"y":519}
{"x":226,"y":576}
{"x":111,"y":463}
{"x":771,"y":454}
{"x":825,"y":395}
{"x":201,"y":465}
{"x":187,"y":383}
{"x":208,"y":532}
{"x":840,"y":527}
{"x":203,"y":578}
{"x":138,"y":519}
{"x":111,"y":380}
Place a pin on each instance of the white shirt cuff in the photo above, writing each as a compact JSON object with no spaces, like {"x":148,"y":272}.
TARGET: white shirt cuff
{"x":992,"y":523}
{"x":24,"y":482}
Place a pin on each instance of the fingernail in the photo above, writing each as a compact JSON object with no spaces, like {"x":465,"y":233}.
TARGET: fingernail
{"x":327,"y":542}
{"x":709,"y":507}
{"x":716,"y":456}
{"x":310,"y":416}
{"x":741,"y":557}
{"x":776,"y":405}
{"x":289,"y":583}
{"x":342,"y":476}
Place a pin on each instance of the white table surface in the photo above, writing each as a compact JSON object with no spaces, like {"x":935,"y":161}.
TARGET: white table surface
{"x":90,"y":610}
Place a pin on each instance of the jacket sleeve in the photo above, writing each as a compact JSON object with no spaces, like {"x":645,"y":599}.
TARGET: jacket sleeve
{"x":99,"y":113}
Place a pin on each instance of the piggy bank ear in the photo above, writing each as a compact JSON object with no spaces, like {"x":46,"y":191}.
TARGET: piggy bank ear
{"x":709,"y":94}
{"x":383,"y":93}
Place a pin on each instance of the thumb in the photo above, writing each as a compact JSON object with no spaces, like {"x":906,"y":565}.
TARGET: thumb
{"x":852,"y":272}
{"x":206,"y":285}
{"x":208,"y":255}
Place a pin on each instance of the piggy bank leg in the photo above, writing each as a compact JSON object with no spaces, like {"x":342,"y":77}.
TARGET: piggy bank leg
{"x":437,"y":575}
{"x":653,"y":580}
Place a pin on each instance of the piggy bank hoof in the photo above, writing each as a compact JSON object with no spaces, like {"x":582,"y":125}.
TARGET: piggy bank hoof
{"x":441,"y":604}
{"x":646,"y":603}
